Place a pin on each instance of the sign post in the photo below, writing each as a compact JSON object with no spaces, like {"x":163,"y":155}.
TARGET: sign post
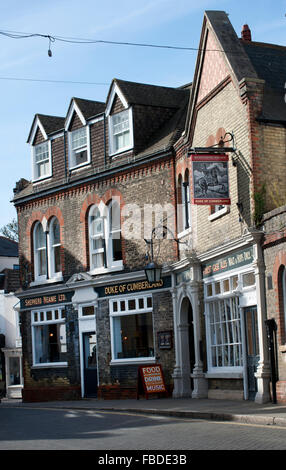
{"x":151,"y":380}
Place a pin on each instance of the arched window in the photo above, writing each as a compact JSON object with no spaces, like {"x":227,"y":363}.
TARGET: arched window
{"x":186,"y":199}
{"x":54,"y":248}
{"x":96,"y":238}
{"x":184,"y":202}
{"x":40,"y":252}
{"x":105,"y":237}
{"x":114,"y":235}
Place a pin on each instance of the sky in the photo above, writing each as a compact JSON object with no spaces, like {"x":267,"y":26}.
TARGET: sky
{"x":32,"y":82}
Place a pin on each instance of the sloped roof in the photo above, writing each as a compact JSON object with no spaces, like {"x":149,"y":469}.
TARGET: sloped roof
{"x":90,"y":108}
{"x":8,"y":247}
{"x":166,"y":137}
{"x":249,"y":59}
{"x":231,"y":45}
{"x":269,"y":61}
{"x":10,"y":280}
{"x":51,"y":124}
{"x":150,"y":95}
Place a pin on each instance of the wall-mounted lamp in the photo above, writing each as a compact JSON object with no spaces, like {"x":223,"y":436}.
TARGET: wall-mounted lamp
{"x":153,"y":271}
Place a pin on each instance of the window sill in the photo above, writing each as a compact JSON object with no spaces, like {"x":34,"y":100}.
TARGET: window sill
{"x":184,"y":233}
{"x":106,"y":270}
{"x":43,"y":179}
{"x":237,"y":374}
{"x":136,"y":360}
{"x":218,"y":214}
{"x":40,"y":282}
{"x":50,"y":365}
{"x":79,"y":167}
{"x":121,"y":151}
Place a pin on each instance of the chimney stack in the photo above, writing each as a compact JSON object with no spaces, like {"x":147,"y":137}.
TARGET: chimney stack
{"x":245,"y":33}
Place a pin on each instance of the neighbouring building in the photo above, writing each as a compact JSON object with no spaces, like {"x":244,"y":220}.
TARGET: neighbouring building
{"x":274,"y":248}
{"x":193,"y":169}
{"x":235,"y":102}
{"x":11,"y":376}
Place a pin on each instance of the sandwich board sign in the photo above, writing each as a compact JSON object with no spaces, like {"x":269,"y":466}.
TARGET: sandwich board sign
{"x":151,"y":380}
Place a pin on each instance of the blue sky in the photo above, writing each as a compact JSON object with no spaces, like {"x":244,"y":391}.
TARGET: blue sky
{"x":165,"y":22}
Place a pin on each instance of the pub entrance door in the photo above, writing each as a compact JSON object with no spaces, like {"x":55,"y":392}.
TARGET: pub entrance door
{"x":252,"y":349}
{"x":90,"y":364}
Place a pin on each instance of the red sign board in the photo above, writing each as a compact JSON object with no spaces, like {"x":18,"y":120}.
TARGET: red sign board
{"x":152,"y":379}
{"x":210,"y":179}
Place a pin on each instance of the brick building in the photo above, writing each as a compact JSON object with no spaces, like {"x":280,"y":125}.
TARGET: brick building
{"x":106,"y":175}
{"x":88,"y":314}
{"x":274,"y":248}
{"x":237,"y":100}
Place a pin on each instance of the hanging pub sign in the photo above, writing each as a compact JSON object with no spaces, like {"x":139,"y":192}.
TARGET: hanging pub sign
{"x":150,"y":380}
{"x":210,"y":179}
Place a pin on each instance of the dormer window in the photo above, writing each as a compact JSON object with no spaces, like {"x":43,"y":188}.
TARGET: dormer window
{"x":42,"y":160}
{"x":120,"y":131}
{"x":79,"y":147}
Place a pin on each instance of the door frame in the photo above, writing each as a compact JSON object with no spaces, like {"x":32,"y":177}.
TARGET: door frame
{"x":88,"y":333}
{"x":255,"y":336}
{"x":87,"y":324}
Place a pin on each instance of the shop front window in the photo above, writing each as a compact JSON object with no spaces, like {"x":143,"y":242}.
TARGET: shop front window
{"x":49,"y":336}
{"x":132,"y":328}
{"x":225,"y":333}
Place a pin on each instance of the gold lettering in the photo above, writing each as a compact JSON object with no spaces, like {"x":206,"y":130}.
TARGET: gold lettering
{"x":30,"y":302}
{"x":62,"y":297}
{"x":50,"y":300}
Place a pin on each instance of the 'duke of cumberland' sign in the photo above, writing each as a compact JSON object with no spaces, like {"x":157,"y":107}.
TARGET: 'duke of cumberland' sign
{"x":210,"y":179}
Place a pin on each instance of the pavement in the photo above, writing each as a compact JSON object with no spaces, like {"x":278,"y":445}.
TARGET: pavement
{"x":241,"y":411}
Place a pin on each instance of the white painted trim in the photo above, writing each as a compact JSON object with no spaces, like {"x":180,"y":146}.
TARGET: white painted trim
{"x":115,"y":91}
{"x":37,"y":124}
{"x":74,"y":108}
{"x":111,"y":150}
{"x":130,"y":312}
{"x":220,"y":213}
{"x":50,"y":173}
{"x":86,"y":324}
{"x":138,"y":360}
{"x":49,"y":365}
{"x":95,"y":120}
{"x":87,"y":148}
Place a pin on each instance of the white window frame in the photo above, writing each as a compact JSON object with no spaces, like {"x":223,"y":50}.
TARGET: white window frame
{"x":186,"y":204}
{"x":47,"y":144}
{"x":108,"y":263}
{"x":112,"y":147}
{"x":100,"y":235}
{"x":113,"y":313}
{"x":42,"y":320}
{"x":51,"y":250}
{"x":39,"y":277}
{"x":113,"y":231}
{"x":235,"y":290}
{"x":220,"y":210}
{"x":82,"y":148}
{"x":234,"y":324}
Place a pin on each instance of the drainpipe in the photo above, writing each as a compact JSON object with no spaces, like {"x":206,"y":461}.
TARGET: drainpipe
{"x":177,"y":371}
{"x":263,"y":370}
{"x":65,"y":154}
{"x":104,"y":138}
